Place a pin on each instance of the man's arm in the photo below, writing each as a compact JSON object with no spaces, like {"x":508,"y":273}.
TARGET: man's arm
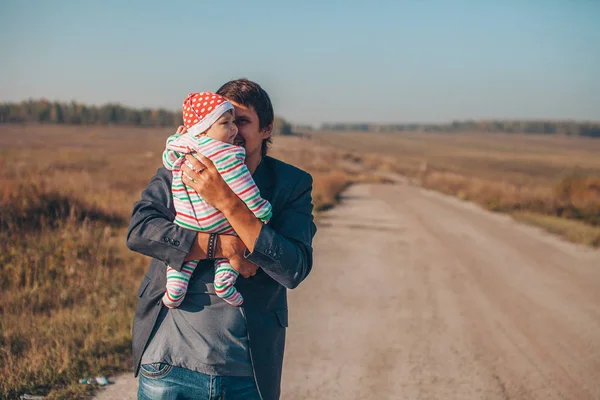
{"x":152,"y":231}
{"x":283,"y":248}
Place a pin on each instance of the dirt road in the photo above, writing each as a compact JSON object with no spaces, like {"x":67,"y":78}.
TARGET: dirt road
{"x":415,"y":295}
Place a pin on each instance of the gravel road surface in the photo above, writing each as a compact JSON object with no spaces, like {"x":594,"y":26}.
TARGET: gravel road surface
{"x":416,"y":295}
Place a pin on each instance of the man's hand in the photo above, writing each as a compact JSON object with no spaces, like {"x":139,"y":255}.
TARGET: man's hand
{"x":208,"y":182}
{"x":243,"y":266}
{"x":229,"y":246}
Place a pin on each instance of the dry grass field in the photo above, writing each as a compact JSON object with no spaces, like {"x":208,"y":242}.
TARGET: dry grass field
{"x":67,"y":278}
{"x":549,"y":181}
{"x":66,"y":192}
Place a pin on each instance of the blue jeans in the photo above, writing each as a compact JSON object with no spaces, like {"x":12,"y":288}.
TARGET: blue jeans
{"x":164,"y":381}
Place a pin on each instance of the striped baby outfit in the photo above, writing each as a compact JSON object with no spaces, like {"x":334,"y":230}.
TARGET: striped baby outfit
{"x":193,"y":212}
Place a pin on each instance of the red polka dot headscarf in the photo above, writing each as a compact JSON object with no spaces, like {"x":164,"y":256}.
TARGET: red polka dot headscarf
{"x":201,"y":110}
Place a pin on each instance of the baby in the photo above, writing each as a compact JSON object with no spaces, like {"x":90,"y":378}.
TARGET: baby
{"x":210,"y":122}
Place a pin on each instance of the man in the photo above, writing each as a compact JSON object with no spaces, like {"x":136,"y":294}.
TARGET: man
{"x":206,"y":348}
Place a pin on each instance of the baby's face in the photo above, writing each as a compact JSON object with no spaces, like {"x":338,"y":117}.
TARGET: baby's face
{"x":224,"y":129}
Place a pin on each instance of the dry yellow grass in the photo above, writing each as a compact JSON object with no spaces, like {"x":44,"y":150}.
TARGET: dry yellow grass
{"x":66,"y":193}
{"x":333,"y":169}
{"x":548,"y":176}
{"x":67,"y":279}
{"x":515,"y":158}
{"x":572,"y":230}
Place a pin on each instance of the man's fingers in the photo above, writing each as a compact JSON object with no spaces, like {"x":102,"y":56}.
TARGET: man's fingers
{"x":187,"y":180}
{"x":196,"y":164}
{"x":189,"y":176}
{"x":189,"y":172}
{"x":245,"y":268}
{"x":206,"y":161}
{"x":251,"y":270}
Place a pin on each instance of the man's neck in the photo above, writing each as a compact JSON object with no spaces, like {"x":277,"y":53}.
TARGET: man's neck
{"x":253,"y":161}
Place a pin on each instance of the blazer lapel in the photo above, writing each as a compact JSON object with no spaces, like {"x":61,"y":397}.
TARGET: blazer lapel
{"x":263,"y":178}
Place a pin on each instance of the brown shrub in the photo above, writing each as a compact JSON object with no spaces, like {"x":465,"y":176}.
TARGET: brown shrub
{"x":578,"y":197}
{"x":573,"y":197}
{"x":29,"y":206}
{"x":327,"y":188}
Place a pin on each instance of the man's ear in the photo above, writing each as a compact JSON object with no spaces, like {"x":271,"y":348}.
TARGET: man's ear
{"x":267,"y":132}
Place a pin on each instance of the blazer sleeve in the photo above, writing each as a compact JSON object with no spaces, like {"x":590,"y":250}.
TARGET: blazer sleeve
{"x":152,"y":231}
{"x":283,"y":248}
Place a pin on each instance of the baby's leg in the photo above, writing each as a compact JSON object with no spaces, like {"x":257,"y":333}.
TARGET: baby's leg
{"x":177,"y":283}
{"x":225,"y":277}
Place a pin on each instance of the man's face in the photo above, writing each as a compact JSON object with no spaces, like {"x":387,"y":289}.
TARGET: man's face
{"x":249,"y":135}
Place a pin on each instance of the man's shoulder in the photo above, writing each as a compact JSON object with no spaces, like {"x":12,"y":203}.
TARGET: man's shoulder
{"x":163,"y":173}
{"x":286,"y":173}
{"x":162,"y":177}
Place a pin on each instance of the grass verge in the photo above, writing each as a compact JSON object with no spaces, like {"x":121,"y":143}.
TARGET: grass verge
{"x":68,"y":284}
{"x":575,"y":231}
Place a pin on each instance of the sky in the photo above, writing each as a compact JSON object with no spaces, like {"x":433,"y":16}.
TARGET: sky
{"x":320,"y":61}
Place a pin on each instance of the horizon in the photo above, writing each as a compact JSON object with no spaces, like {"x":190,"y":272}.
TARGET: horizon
{"x":387,"y":63}
{"x":320,"y":125}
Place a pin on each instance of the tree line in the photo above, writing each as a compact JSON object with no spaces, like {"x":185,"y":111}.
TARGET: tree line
{"x":54,"y":112}
{"x":571,"y":128}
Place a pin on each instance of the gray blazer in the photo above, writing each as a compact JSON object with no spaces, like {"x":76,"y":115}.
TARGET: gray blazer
{"x":283,"y":251}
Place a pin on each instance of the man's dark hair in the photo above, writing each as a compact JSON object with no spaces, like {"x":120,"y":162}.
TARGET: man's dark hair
{"x":248,"y":93}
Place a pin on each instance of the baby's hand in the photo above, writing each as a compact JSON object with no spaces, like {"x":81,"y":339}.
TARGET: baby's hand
{"x":181,"y":129}
{"x":244,"y":267}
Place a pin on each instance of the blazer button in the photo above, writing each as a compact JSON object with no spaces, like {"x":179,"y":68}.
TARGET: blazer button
{"x":166,"y":239}
{"x":176,"y":243}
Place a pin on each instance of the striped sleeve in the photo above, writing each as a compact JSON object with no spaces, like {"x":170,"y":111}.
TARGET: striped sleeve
{"x":170,"y":155}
